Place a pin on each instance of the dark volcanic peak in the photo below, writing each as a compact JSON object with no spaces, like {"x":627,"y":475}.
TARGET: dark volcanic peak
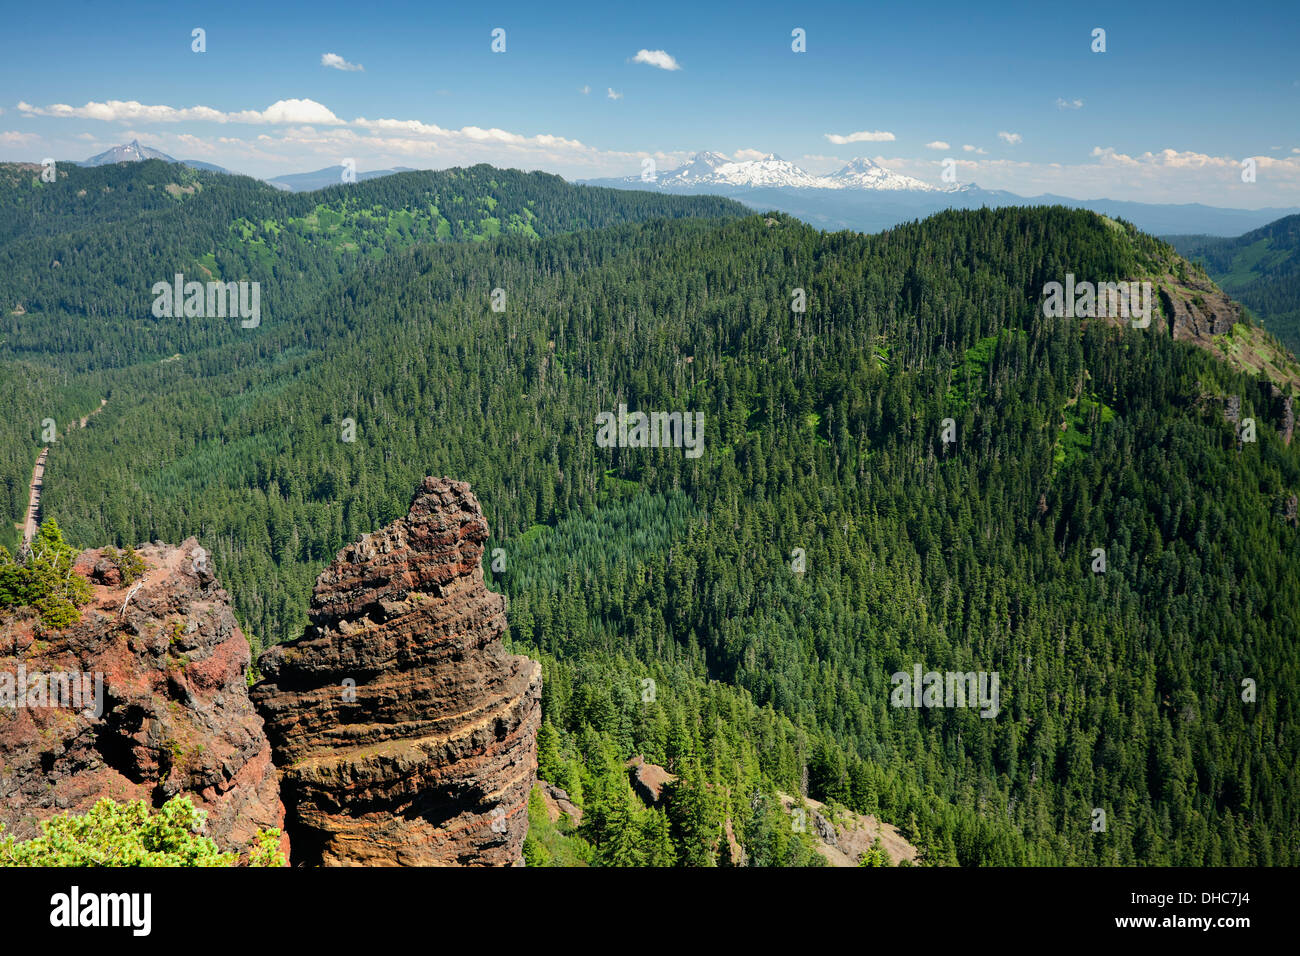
{"x":131,"y":152}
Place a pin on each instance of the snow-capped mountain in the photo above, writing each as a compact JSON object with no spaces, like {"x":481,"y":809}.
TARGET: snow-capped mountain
{"x":713,"y":170}
{"x":862,"y":173}
{"x":700,"y":168}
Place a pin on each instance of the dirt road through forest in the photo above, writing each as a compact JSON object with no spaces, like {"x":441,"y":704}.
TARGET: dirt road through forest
{"x":32,"y":521}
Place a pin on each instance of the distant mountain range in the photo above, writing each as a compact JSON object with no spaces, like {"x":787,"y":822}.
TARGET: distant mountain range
{"x":866,"y":197}
{"x":862,"y":195}
{"x":134,"y":152}
{"x":705,"y":171}
{"x":329,"y":176}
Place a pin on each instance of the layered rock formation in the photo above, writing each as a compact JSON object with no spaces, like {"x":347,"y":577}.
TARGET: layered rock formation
{"x":165,"y":665}
{"x":404,"y":733}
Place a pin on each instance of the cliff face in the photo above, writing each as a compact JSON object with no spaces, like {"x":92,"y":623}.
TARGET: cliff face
{"x":172,"y":694}
{"x":404,"y":733}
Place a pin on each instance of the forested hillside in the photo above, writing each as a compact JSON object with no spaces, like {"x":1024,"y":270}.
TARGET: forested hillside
{"x":89,"y":247}
{"x":823,"y":438}
{"x":1260,"y":268}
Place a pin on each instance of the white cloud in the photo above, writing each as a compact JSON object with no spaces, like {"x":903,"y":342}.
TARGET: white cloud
{"x":1064,"y":104}
{"x":612,"y":95}
{"x":1010,"y":138}
{"x":130,"y":111}
{"x":291,"y":111}
{"x":195,"y":143}
{"x":862,"y":136}
{"x":937,"y":144}
{"x":400,"y":126}
{"x":974,"y":149}
{"x":334,"y":61}
{"x":464,"y":136}
{"x":1176,"y":159}
{"x":585,"y":90}
{"x":743,"y":155}
{"x":11,"y":138}
{"x":656,"y":58}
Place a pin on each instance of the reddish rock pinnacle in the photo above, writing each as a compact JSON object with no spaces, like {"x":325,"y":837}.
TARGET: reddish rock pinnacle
{"x":403,"y":731}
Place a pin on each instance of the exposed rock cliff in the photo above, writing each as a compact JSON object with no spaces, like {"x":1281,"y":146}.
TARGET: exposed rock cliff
{"x":404,"y":733}
{"x":175,"y":717}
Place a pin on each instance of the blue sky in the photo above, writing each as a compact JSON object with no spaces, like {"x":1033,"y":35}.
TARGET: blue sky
{"x":1183,"y":94}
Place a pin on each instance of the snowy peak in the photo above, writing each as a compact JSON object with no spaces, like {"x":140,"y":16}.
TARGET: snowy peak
{"x":714,"y":169}
{"x":700,"y":168}
{"x":709,"y":169}
{"x":769,"y":171}
{"x":862,"y":173}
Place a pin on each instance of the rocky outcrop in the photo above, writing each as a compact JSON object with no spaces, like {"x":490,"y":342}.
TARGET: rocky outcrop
{"x":648,"y":780}
{"x":163,"y":710}
{"x":559,"y":804}
{"x":842,"y":836}
{"x":404,"y":732}
{"x":1284,"y":411}
{"x":1196,"y":309}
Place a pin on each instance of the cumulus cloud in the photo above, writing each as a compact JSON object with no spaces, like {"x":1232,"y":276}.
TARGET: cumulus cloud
{"x":195,"y":144}
{"x":1175,"y":159}
{"x":659,"y":58}
{"x":130,"y":111}
{"x":336,"y":62}
{"x":1064,"y":104}
{"x":1010,"y":138}
{"x":291,"y":111}
{"x":974,"y":149}
{"x":612,"y":95}
{"x":11,"y":138}
{"x":464,"y":135}
{"x":937,"y":144}
{"x":862,"y":136}
{"x":743,"y":155}
{"x":585,"y":90}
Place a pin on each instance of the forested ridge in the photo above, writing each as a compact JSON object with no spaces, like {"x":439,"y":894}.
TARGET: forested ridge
{"x":89,"y":247}
{"x":1260,"y":268}
{"x":1120,"y":690}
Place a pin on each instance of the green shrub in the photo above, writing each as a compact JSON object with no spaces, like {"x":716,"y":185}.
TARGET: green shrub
{"x":129,"y":564}
{"x":45,"y":580}
{"x":127,"y":834}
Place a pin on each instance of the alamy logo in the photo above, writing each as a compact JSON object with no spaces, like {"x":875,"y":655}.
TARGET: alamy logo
{"x":1103,"y":300}
{"x":72,"y":909}
{"x":951,"y":689}
{"x":656,"y":430}
{"x":76,"y":691}
{"x":215,"y":300}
